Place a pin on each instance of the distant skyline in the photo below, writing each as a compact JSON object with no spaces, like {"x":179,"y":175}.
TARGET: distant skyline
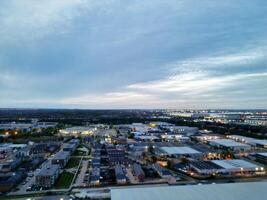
{"x":111,"y":54}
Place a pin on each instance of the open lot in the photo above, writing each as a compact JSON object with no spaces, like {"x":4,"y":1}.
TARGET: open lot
{"x":64,"y":180}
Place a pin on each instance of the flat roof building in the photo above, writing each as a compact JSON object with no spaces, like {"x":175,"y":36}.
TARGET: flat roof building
{"x":229,"y":145}
{"x":249,"y":140}
{"x":238,"y":165}
{"x":261,"y":157}
{"x":179,"y":151}
{"x":229,"y":191}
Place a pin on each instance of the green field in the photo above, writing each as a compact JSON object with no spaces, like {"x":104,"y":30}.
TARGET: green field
{"x":73,"y":162}
{"x":64,"y":180}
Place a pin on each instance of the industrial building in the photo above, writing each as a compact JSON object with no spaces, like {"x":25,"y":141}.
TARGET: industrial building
{"x":251,"y":141}
{"x":261,"y":157}
{"x":228,"y":144}
{"x":229,"y":191}
{"x":178,"y":151}
{"x":227,"y":167}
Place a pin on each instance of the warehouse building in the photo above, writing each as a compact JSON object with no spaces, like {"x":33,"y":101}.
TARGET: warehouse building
{"x":239,"y":166}
{"x":229,"y":191}
{"x":261,"y":157}
{"x":251,"y":141}
{"x":228,"y":144}
{"x":178,"y":152}
{"x":226,"y":167}
{"x":204,"y":168}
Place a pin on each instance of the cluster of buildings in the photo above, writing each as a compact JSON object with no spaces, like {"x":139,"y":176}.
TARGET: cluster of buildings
{"x":206,"y":154}
{"x":41,"y":162}
{"x":106,"y":157}
{"x":49,"y":172}
{"x":237,"y":117}
{"x":33,"y":125}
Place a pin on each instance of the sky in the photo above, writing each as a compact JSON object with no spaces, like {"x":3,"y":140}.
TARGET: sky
{"x":114,"y":54}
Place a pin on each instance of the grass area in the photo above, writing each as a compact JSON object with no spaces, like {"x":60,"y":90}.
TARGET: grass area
{"x":64,"y":180}
{"x":25,"y":196}
{"x":79,"y":153}
{"x":73,"y":162}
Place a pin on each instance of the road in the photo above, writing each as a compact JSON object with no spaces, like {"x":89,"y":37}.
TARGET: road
{"x":130,"y":175}
{"x":80,"y":178}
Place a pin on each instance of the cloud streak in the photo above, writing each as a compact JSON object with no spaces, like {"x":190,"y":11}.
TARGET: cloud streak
{"x":112,"y":54}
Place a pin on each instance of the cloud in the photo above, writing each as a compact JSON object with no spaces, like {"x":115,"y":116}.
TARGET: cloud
{"x":187,"y":88}
{"x":30,"y":20}
{"x":111,"y":53}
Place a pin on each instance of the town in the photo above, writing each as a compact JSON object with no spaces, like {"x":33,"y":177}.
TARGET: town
{"x":94,"y":160}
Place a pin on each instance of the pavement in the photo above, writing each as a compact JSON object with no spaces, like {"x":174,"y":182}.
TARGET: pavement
{"x":130,"y":175}
{"x":80,"y":178}
{"x":54,"y":197}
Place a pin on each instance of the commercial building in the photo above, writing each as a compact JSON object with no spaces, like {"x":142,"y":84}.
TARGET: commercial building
{"x":238,"y":166}
{"x":172,"y":136}
{"x":184,"y":130}
{"x":78,"y":130}
{"x":146,"y":138}
{"x":251,"y":141}
{"x":207,"y":137}
{"x":47,"y":176}
{"x":261,"y":157}
{"x":235,"y":167}
{"x":228,"y":144}
{"x":178,"y":151}
{"x":229,"y":191}
{"x":205,"y":168}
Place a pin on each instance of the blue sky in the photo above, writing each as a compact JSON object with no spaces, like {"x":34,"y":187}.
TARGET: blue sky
{"x":133,"y":54}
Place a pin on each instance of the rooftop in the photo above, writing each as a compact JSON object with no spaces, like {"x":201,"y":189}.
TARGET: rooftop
{"x":48,"y":170}
{"x":229,"y":191}
{"x":236,"y":163}
{"x":228,"y":143}
{"x":179,"y":150}
{"x":263,"y":154}
{"x":61,"y":155}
